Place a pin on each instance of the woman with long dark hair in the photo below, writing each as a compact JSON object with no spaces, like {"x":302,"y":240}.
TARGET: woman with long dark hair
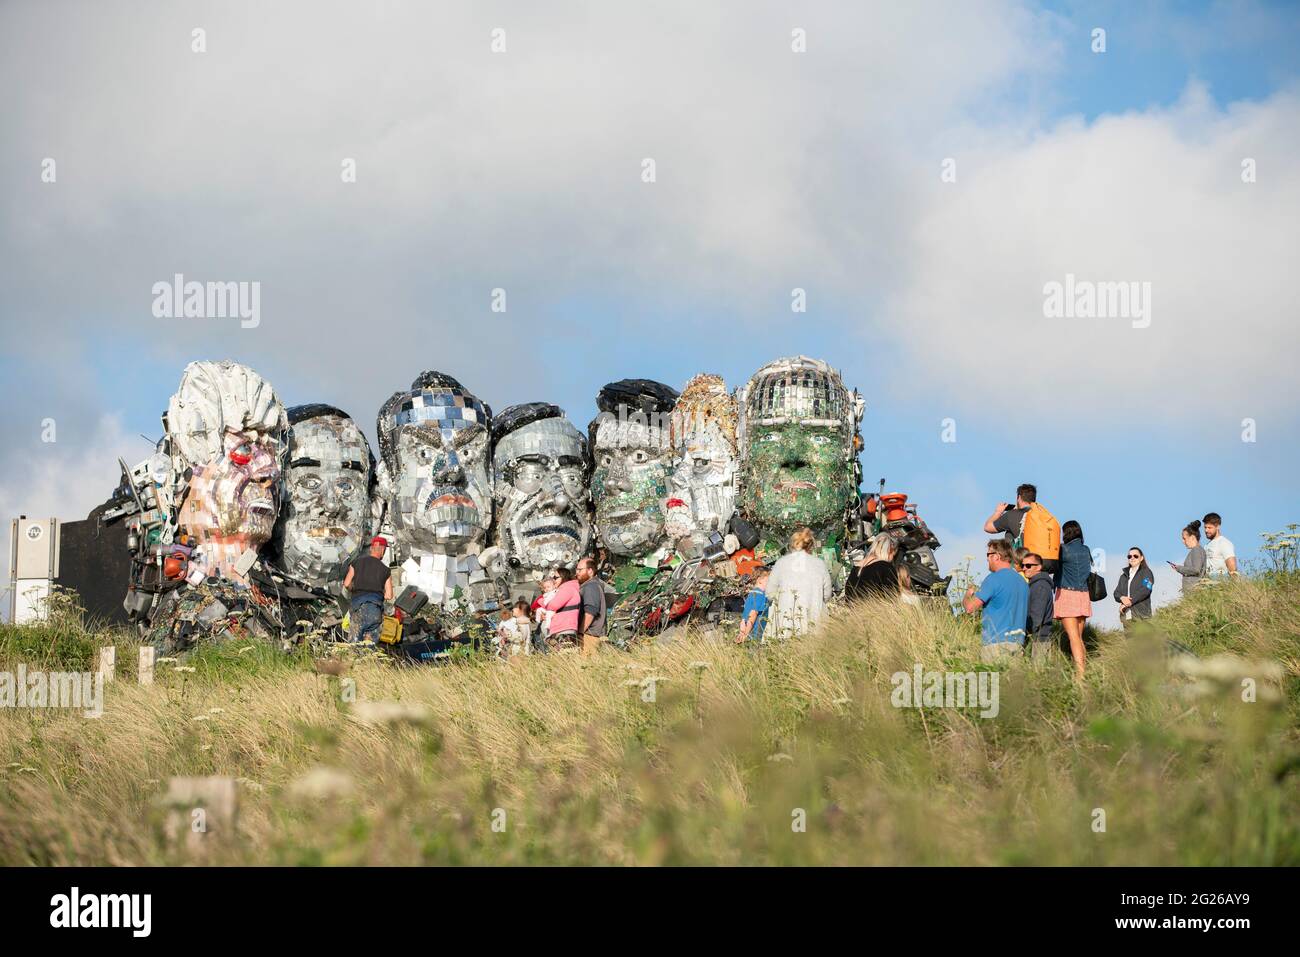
{"x":1133,"y":591}
{"x":1073,"y":607}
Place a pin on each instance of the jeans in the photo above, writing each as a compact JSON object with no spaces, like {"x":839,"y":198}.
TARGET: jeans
{"x":366,"y":616}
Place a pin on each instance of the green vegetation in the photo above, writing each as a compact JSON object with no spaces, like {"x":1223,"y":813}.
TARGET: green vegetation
{"x":694,"y":752}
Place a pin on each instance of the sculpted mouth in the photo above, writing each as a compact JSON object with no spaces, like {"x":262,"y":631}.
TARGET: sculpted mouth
{"x":793,"y":485}
{"x":450,"y":499}
{"x":327,"y":532}
{"x":262,"y":506}
{"x":625,"y":516}
{"x":552,"y":530}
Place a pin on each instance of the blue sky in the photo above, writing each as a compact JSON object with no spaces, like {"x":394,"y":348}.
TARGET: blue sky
{"x":818,"y":171}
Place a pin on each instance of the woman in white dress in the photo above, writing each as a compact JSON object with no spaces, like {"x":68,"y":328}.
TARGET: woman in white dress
{"x":798,"y":589}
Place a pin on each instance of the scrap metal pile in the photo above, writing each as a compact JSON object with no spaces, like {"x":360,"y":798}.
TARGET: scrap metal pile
{"x":246,"y":517}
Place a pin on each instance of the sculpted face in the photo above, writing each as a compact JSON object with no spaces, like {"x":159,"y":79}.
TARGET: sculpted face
{"x":629,"y":483}
{"x":800,"y":446}
{"x":796,"y":475}
{"x":540,"y":471}
{"x":227,"y":426}
{"x":326,"y":512}
{"x":705,"y":452}
{"x":435,"y":442}
{"x":233,"y":500}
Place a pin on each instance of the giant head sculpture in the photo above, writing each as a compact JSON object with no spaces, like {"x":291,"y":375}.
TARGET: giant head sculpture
{"x":704,"y":442}
{"x":226,"y":425}
{"x":326,"y":515}
{"x":798,"y":444}
{"x":632,"y":458}
{"x":433,"y":440}
{"x":540,"y":464}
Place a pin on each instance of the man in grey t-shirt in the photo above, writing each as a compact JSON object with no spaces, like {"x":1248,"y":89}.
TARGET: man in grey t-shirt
{"x":591,"y":618}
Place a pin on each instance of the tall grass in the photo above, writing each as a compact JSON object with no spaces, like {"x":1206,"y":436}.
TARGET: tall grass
{"x":698,"y":751}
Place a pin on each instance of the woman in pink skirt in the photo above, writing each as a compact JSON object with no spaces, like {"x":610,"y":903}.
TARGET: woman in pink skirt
{"x":1073,"y":607}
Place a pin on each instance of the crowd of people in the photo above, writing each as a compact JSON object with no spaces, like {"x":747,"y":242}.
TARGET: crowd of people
{"x":1040,"y":573}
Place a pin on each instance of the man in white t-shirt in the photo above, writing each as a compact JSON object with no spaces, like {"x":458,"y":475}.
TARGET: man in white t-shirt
{"x":1220,"y":556}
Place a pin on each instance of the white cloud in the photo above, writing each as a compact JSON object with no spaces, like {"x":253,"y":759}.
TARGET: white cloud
{"x":65,"y":480}
{"x":1150,"y":197}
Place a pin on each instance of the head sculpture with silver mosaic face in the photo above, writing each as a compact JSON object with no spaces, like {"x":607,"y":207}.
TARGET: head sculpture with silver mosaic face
{"x":433,"y":442}
{"x":227,"y":427}
{"x":705,"y":450}
{"x":326,"y":515}
{"x":798,"y":444}
{"x":540,"y":464}
{"x":632,"y":459}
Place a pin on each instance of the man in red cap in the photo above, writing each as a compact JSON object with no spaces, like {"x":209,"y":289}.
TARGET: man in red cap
{"x":370,"y":583}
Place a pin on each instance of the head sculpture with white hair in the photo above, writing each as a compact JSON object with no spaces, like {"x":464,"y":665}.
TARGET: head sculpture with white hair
{"x":226,"y":428}
{"x":706,"y":460}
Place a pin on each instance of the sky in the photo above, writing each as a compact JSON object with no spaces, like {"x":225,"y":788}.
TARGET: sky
{"x":921,"y":171}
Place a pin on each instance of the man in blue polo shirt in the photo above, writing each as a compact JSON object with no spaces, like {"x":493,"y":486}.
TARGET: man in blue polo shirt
{"x":1004,"y":598}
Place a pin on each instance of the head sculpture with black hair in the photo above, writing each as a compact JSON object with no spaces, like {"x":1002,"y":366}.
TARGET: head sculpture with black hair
{"x":433,"y":442}
{"x":328,"y":483}
{"x":632,"y":458}
{"x":540,"y":464}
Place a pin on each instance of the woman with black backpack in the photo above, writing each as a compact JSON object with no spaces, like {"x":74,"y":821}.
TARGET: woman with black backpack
{"x":1073,"y":607}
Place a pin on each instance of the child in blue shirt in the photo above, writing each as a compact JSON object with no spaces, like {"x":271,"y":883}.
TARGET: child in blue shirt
{"x":754,"y":617}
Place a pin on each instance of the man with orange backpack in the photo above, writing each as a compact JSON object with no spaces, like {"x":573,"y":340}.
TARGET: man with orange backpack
{"x":1030,"y":526}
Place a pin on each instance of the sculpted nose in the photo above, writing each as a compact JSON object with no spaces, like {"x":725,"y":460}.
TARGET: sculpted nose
{"x":617,"y":480}
{"x":452,"y":473}
{"x":330,"y":500}
{"x":558,"y":496}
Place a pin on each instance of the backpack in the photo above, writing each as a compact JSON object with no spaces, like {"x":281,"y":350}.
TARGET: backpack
{"x":1040,"y":533}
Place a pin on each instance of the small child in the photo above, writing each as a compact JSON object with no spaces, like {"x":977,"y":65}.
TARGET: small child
{"x":515,"y":632}
{"x":753,"y":619}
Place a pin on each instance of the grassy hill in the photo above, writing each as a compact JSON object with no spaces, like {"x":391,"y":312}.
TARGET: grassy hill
{"x":695,"y":752}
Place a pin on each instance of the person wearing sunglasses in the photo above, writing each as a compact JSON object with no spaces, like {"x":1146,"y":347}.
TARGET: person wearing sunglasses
{"x":1133,"y":591}
{"x":1042,"y":598}
{"x":1003,"y":603}
{"x":564,"y":605}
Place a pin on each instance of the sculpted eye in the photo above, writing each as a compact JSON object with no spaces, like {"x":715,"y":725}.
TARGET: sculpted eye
{"x":607,"y":460}
{"x":242,"y":453}
{"x":640,"y":456}
{"x":820,"y":439}
{"x":310,"y":484}
{"x":771,"y":437}
{"x":425,"y":455}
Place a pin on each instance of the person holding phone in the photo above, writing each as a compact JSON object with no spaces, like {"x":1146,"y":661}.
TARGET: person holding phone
{"x":1193,"y":567}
